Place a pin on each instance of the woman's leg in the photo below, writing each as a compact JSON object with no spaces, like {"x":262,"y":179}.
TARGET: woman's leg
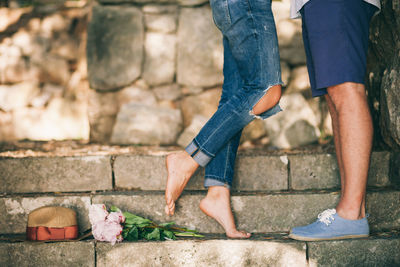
{"x":250,"y":29}
{"x":220,"y":170}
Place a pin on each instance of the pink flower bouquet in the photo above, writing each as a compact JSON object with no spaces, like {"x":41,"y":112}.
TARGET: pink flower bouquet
{"x":115,"y":226}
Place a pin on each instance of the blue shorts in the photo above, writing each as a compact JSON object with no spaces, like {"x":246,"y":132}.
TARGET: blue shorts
{"x":335,"y":35}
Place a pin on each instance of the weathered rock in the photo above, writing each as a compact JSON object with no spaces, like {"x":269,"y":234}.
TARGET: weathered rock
{"x":384,"y":72}
{"x":18,"y":95}
{"x":102,"y":112}
{"x":320,"y":171}
{"x":56,"y":174}
{"x":23,"y":40}
{"x":200,"y":52}
{"x":289,"y":33}
{"x":16,"y":210}
{"x":167,"y":92}
{"x":139,"y":124}
{"x":48,"y":254}
{"x":253,"y":131}
{"x":260,"y":172}
{"x":159,"y":65}
{"x":47,"y":93}
{"x":194,"y":253}
{"x":62,"y":119}
{"x":53,"y":69}
{"x":285,"y":70}
{"x":54,"y":23}
{"x":293,"y":55}
{"x":299,"y":80}
{"x":192,"y":130}
{"x":390,"y":105}
{"x":281,"y":10}
{"x":115,"y":46}
{"x":136,"y":94}
{"x":203,"y":104}
{"x":192,"y":90}
{"x":375,"y":252}
{"x":165,"y":22}
{"x":10,"y":16}
{"x":295,"y":126}
{"x":6,"y":127}
{"x":160,"y":9}
{"x":66,"y":46}
{"x":16,"y":70}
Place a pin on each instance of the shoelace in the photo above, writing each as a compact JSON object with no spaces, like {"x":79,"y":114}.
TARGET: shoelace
{"x":327,"y":216}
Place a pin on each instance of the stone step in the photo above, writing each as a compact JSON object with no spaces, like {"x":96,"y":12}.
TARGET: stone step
{"x":145,"y":170}
{"x":254,"y":212}
{"x":262,"y":250}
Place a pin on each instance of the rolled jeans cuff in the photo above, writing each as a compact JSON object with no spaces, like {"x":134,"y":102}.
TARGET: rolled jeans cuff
{"x":201,"y":157}
{"x":214,"y":182}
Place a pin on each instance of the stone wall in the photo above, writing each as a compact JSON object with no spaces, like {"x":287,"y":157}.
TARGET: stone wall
{"x":43,"y":80}
{"x":155,"y":71}
{"x":384,"y":73}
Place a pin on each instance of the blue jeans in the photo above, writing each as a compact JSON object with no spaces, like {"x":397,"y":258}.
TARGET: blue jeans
{"x":251,"y":68}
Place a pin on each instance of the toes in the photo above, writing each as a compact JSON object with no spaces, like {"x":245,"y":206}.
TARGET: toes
{"x":166,"y":209}
{"x":170,"y":208}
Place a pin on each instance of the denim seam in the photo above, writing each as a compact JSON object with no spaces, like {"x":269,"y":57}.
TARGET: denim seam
{"x":226,"y":161}
{"x":211,"y":135}
{"x":202,"y":149}
{"x":210,"y":176}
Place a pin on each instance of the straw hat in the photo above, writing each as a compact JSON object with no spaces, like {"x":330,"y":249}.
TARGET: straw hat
{"x":52,"y":223}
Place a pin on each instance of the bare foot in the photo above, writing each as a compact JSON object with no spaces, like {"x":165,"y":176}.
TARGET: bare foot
{"x":217,"y":205}
{"x":180,"y":167}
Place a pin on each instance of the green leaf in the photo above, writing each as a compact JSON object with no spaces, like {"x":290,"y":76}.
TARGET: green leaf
{"x":114,"y":209}
{"x":153,"y":235}
{"x":167,"y":224}
{"x":168,"y":234}
{"x":136,"y":220}
{"x":133,"y":234}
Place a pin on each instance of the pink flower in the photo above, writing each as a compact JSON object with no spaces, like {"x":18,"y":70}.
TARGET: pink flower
{"x":97,"y":213}
{"x":107,"y":231}
{"x":116,"y":217}
{"x":106,"y":226}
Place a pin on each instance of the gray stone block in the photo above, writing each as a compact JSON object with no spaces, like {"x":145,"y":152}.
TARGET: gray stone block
{"x":141,"y":124}
{"x":252,"y":173}
{"x":261,"y":173}
{"x":200,"y":52}
{"x":16,"y":210}
{"x":55,"y":174}
{"x":115,"y":46}
{"x":320,"y":171}
{"x":257,"y":213}
{"x":133,"y":172}
{"x":203,"y":253}
{"x":384,"y":210}
{"x":379,"y":170}
{"x":363,"y":252}
{"x":47,"y":254}
{"x":314,"y":171}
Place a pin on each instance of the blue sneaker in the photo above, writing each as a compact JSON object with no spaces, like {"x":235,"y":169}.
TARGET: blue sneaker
{"x":331,"y":226}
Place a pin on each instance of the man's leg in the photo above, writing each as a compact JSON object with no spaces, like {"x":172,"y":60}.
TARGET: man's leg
{"x":353,"y":131}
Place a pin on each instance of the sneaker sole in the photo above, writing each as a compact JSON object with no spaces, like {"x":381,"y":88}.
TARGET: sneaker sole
{"x":303,"y":238}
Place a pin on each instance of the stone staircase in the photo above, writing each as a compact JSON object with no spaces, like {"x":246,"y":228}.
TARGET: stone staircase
{"x":273,"y":191}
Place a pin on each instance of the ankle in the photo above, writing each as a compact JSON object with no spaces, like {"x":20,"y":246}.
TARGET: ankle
{"x":350,"y":214}
{"x":218,"y":192}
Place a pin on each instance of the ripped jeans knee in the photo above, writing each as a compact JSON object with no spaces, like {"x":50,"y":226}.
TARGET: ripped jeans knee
{"x":268,"y":103}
